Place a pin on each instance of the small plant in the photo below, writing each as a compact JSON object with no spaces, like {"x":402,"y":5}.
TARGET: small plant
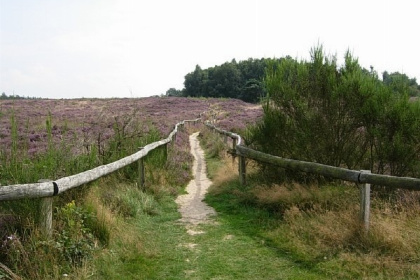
{"x":74,"y":239}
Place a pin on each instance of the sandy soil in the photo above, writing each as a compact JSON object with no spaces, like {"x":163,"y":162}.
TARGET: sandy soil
{"x":191,"y":206}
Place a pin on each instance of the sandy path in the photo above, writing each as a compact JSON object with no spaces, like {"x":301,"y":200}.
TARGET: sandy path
{"x":191,"y":206}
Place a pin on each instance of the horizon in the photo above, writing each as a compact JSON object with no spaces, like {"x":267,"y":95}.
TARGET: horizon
{"x":128,"y":48}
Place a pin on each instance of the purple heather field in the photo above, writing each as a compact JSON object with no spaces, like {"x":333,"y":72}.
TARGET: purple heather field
{"x":82,"y":122}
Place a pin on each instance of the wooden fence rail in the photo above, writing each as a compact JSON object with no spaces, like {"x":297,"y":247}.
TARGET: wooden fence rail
{"x":332,"y":171}
{"x":362,"y":177}
{"x":53,"y":188}
{"x":47,"y":189}
{"x":235,"y":137}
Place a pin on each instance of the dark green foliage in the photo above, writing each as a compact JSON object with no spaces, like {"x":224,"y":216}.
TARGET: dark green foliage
{"x":253,"y":89}
{"x":340,"y":116}
{"x":195,"y":82}
{"x":11,"y":97}
{"x":173,"y":92}
{"x":401,"y":83}
{"x":244,"y":79}
{"x":75,"y":241}
{"x":241,"y":80}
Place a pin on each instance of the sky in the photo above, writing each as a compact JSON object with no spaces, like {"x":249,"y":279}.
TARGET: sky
{"x":137,"y":48}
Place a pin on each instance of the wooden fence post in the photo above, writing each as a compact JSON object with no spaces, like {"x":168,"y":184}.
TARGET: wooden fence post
{"x":242,"y":170}
{"x":141,"y":174}
{"x":45,"y":219}
{"x":365,"y":203}
{"x":234,"y":141}
{"x":173,"y":140}
{"x":166,"y":151}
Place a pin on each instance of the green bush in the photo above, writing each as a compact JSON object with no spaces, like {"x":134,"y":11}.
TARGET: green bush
{"x":337,"y":115}
{"x":74,"y":240}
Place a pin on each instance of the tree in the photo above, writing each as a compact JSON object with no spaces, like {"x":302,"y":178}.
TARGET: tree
{"x":253,"y":91}
{"x":401,"y":83}
{"x":173,"y":92}
{"x":195,"y":82}
{"x":243,"y":80}
{"x":340,"y":116}
{"x":224,"y":81}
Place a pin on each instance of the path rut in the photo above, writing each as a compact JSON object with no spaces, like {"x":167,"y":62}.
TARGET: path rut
{"x":193,"y":209}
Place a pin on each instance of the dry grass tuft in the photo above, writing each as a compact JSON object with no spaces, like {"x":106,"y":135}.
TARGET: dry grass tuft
{"x":333,"y":236}
{"x":227,"y":173}
{"x":283,"y":194}
{"x":319,"y":226}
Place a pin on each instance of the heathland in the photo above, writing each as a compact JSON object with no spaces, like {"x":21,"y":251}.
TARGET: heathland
{"x":111,"y":229}
{"x":280,"y":225}
{"x":50,"y":139}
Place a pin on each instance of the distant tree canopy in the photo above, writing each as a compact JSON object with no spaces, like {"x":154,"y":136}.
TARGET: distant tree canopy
{"x":243,"y":80}
{"x":401,"y":83}
{"x":173,"y":92}
{"x":4,"y":96}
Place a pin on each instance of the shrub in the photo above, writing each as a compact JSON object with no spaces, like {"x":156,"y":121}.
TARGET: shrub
{"x":340,"y":116}
{"x":75,"y":240}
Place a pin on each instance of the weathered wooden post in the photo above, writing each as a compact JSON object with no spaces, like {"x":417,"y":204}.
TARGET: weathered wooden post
{"x":234,"y":141}
{"x":45,"y":219}
{"x":173,"y":140}
{"x":242,"y":170}
{"x":141,"y":174}
{"x":166,"y":151}
{"x":365,"y":203}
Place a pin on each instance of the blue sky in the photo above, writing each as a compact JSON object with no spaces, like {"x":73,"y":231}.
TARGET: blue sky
{"x":128,"y":48}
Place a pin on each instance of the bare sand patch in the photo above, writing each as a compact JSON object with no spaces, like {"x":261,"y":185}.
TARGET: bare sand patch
{"x":191,"y":206}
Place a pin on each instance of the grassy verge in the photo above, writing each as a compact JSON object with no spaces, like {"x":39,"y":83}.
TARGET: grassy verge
{"x":143,"y":243}
{"x":315,"y":228}
{"x":96,"y":221}
{"x":164,"y":250}
{"x":113,"y":230}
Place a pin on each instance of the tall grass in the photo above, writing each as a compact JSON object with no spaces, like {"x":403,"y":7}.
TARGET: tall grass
{"x":85,"y":219}
{"x":317,"y":227}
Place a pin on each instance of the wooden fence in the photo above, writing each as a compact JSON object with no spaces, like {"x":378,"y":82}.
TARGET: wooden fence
{"x":46,"y":189}
{"x":362,"y":177}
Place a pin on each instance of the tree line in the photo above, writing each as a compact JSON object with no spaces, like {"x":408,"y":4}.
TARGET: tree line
{"x":241,"y":80}
{"x":245,"y":80}
{"x":4,"y":96}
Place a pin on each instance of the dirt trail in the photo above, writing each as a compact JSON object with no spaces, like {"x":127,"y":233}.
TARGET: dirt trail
{"x":192,"y":208}
{"x":213,"y":249}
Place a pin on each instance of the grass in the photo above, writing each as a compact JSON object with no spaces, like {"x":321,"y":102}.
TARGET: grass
{"x":316,"y":228}
{"x":159,"y":247}
{"x":107,"y":227}
{"x":139,"y":245}
{"x":262,"y":230}
{"x":86,"y":219}
{"x":227,"y":252}
{"x":215,"y":151}
{"x":154,"y":245}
